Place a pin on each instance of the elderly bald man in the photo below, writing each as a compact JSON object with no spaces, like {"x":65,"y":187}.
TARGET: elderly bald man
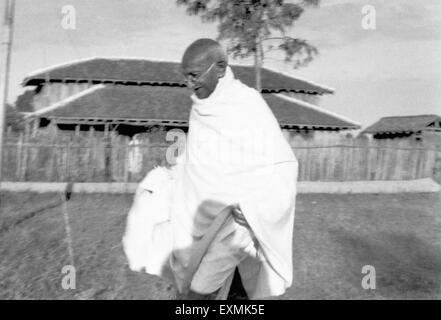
{"x":225,"y":111}
{"x":203,"y":64}
{"x":229,"y":202}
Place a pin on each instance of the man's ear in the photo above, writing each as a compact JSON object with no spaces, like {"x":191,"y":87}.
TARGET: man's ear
{"x":221,"y":68}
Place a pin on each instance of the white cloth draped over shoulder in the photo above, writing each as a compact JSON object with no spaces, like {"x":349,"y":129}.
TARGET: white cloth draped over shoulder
{"x":235,"y":154}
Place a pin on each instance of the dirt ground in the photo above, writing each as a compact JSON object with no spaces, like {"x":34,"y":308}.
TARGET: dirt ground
{"x":334,"y":237}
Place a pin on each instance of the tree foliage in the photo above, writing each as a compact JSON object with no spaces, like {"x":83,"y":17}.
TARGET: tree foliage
{"x":247,"y":24}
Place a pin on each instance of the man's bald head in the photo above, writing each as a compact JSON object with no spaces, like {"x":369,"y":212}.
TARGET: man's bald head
{"x":204,"y":62}
{"x":205,"y":50}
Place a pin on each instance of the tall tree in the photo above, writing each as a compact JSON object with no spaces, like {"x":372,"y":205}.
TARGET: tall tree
{"x":247,"y":24}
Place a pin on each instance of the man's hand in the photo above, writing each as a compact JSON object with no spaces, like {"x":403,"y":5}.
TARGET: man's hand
{"x":239,"y":217}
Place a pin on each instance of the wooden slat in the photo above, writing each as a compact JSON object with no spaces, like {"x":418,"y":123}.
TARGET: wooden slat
{"x":51,"y":156}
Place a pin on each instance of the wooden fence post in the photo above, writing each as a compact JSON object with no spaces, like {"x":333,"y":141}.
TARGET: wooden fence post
{"x":414,"y":159}
{"x":386,"y":159}
{"x":52,"y":152}
{"x":68,"y":157}
{"x":378,"y":160}
{"x":368,"y":155}
{"x":19,"y":156}
{"x":107,"y":158}
{"x":97,"y":158}
{"x":25,"y":152}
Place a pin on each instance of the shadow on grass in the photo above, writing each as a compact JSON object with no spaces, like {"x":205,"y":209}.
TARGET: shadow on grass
{"x":404,"y":264}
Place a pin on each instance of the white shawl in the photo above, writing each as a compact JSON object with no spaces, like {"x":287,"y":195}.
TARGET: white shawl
{"x":236,"y":154}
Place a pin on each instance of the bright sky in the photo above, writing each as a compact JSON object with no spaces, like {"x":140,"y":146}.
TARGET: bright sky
{"x":392,"y":70}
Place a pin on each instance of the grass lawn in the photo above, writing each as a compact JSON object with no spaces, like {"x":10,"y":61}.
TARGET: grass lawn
{"x":334,"y":237}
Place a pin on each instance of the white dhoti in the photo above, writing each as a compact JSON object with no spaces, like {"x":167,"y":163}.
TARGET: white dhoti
{"x":235,"y":155}
{"x":232,"y":244}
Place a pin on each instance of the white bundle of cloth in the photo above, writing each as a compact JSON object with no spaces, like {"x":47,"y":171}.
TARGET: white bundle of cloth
{"x":180,"y":223}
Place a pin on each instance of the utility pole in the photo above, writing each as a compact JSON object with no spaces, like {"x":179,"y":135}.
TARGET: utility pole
{"x":5,"y":61}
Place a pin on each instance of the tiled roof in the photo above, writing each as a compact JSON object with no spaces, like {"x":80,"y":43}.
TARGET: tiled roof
{"x":402,"y":123}
{"x":160,"y":73}
{"x":167,"y":103}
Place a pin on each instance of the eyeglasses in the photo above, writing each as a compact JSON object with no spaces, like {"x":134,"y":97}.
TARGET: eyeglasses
{"x":190,"y":80}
